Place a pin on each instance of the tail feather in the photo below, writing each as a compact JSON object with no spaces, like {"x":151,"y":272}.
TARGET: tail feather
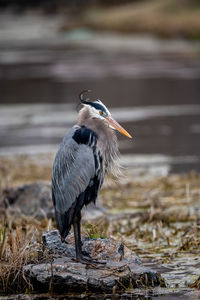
{"x":65,"y":220}
{"x":63,"y":224}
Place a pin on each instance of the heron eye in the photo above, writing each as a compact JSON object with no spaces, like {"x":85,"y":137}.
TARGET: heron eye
{"x":101,"y":112}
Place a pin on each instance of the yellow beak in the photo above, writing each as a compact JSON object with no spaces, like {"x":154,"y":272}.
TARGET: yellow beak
{"x":116,"y":125}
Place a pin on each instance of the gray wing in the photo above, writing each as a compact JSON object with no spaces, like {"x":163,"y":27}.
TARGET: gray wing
{"x":73,"y":168}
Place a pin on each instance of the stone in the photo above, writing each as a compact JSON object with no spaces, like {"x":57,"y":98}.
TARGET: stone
{"x":30,"y":200}
{"x":61,"y":273}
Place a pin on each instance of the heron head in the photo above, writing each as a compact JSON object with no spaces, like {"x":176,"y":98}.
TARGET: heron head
{"x":99,"y":111}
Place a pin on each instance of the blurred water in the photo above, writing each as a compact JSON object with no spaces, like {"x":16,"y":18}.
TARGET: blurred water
{"x":154,"y":91}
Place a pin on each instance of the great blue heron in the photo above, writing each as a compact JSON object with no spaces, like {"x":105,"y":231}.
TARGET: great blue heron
{"x":87,"y":151}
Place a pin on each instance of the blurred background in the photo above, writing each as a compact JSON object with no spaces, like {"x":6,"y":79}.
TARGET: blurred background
{"x":141,"y":58}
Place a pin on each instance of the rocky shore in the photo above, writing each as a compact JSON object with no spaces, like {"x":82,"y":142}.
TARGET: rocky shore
{"x":61,"y":274}
{"x":145,"y":230}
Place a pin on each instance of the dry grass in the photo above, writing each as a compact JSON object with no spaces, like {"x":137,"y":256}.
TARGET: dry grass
{"x":20,"y":239}
{"x":24,"y":169}
{"x":15,"y":253}
{"x":196,"y":284}
{"x":98,"y":230}
{"x":161,"y":213}
{"x":19,"y":245}
{"x":167,"y":18}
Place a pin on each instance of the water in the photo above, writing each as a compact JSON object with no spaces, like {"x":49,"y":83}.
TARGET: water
{"x":151,"y":88}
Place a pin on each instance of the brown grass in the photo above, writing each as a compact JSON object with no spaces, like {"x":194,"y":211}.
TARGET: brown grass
{"x":20,"y":239}
{"x":15,"y":253}
{"x":196,"y":284}
{"x":19,"y":245}
{"x":167,"y":18}
{"x":23,"y":169}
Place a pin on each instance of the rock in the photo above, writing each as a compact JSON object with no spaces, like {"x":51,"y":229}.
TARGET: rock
{"x":61,"y":273}
{"x":107,"y":249}
{"x":93,"y":212}
{"x":35,"y":200}
{"x":30,"y":200}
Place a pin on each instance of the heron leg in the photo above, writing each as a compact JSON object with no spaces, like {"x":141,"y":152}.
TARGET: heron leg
{"x":78,"y":244}
{"x":79,"y":229}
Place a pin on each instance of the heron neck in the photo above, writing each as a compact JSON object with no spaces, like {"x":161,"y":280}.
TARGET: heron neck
{"x":106,"y":141}
{"x":101,"y":128}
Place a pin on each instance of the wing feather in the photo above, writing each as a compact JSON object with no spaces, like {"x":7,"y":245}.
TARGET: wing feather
{"x":74,"y":167}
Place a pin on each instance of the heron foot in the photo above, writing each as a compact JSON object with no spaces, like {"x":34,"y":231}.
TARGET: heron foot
{"x":85,"y":255}
{"x":89,"y":261}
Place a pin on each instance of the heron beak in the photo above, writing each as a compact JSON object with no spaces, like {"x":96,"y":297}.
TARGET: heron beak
{"x":116,"y":125}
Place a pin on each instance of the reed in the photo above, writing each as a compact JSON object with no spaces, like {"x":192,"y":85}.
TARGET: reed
{"x":16,"y":250}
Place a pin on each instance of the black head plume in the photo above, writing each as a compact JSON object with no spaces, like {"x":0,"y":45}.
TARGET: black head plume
{"x":97,"y":104}
{"x":81,"y":96}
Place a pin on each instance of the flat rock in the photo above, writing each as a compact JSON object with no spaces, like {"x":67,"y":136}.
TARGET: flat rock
{"x":30,"y":200}
{"x":61,"y":273}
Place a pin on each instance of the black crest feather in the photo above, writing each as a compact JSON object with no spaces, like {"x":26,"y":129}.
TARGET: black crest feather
{"x":81,"y":96}
{"x":95,"y":103}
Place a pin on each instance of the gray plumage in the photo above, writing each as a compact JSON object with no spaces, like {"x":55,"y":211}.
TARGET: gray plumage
{"x":73,"y":169}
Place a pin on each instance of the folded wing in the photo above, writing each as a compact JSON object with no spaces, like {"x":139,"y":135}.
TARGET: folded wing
{"x":74,"y":172}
